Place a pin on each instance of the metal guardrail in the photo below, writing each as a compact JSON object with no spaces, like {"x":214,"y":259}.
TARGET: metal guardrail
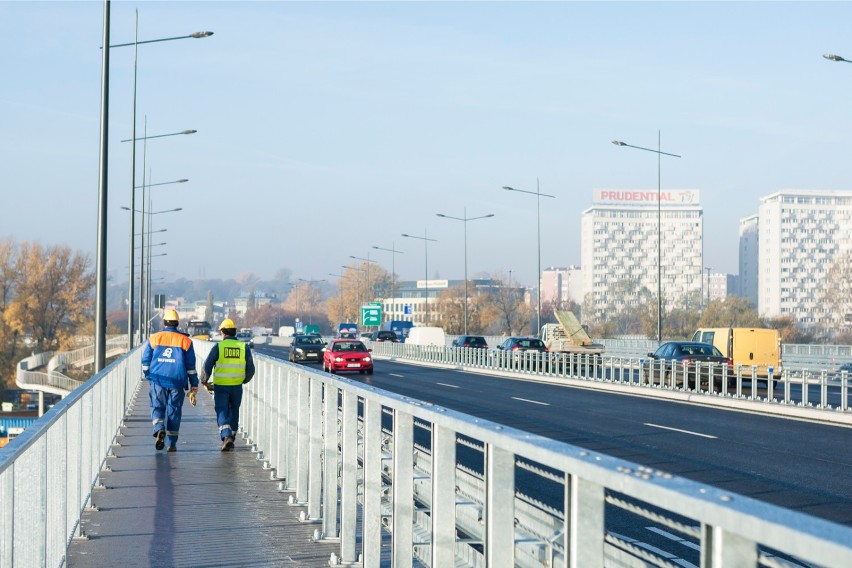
{"x":816,"y":396}
{"x":379,"y":471}
{"x":47,"y":473}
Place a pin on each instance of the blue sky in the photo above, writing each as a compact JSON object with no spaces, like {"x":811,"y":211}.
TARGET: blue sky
{"x":327,"y":128}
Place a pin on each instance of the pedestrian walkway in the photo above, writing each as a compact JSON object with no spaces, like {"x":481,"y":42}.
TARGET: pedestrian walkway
{"x":196,"y":507}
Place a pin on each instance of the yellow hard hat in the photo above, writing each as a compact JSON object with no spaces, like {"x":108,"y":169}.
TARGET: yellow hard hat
{"x":227,"y":323}
{"x":170,"y":315}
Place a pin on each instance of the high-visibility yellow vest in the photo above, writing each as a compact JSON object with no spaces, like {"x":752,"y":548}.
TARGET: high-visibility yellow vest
{"x":230,"y":368}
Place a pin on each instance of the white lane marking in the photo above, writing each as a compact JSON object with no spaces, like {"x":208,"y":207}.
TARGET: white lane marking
{"x":667,"y":555}
{"x":679,"y":430}
{"x":673,"y":537}
{"x":395,"y":375}
{"x":531,"y":401}
{"x":446,"y":385}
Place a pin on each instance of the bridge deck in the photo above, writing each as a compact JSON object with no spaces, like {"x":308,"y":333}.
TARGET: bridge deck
{"x":194,"y":507}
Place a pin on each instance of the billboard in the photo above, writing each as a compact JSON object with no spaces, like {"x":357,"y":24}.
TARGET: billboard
{"x":645,"y":197}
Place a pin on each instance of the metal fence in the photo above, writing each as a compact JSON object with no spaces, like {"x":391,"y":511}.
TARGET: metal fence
{"x":394,"y":480}
{"x":816,"y":395}
{"x":47,"y":473}
{"x":382,"y":472}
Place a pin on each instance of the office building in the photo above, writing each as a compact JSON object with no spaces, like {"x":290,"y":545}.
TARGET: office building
{"x":800,"y":234}
{"x":748,"y":259}
{"x":560,"y":285}
{"x":619,"y":247}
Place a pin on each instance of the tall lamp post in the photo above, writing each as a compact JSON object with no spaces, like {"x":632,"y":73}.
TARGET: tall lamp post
{"x":393,"y":252}
{"x":103,"y":175}
{"x":464,"y":219}
{"x":425,"y":238}
{"x":538,"y":195}
{"x":708,"y":269}
{"x":134,"y":139}
{"x":359,"y":269}
{"x":142,"y":269}
{"x":368,"y":287}
{"x":659,"y":154}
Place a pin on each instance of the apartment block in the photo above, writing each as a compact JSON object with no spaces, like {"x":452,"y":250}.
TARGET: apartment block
{"x":619,"y":238}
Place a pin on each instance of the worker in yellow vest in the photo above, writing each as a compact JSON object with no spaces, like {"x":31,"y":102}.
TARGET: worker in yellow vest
{"x":230,"y":364}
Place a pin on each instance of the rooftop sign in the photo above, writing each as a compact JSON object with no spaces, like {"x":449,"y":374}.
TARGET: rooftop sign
{"x":645,"y":197}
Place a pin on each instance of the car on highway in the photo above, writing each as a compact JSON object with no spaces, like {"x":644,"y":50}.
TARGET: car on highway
{"x":347,"y":355}
{"x":518,"y":347}
{"x":306,"y":348}
{"x":380,"y":336}
{"x":844,"y":368}
{"x":245,"y":337}
{"x":472,"y":341}
{"x":681,"y":360}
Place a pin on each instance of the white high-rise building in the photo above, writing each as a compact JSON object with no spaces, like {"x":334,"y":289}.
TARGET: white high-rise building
{"x":800,"y":233}
{"x":748,"y":259}
{"x":561,"y":284}
{"x":619,"y":246}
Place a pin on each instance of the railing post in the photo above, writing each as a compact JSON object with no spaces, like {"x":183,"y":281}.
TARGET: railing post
{"x":303,"y":440}
{"x":443,"y":496}
{"x":721,"y":548}
{"x":330,"y":501}
{"x":349,"y":478}
{"x":315,"y":449}
{"x":372,"y":521}
{"x":584,"y":522}
{"x":403,"y":490}
{"x":499,"y":507}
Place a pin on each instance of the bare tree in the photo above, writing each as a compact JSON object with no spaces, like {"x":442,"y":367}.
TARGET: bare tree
{"x":837,"y":294}
{"x":503,"y":310}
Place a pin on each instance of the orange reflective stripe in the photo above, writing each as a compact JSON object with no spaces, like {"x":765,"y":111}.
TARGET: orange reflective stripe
{"x":170,"y":339}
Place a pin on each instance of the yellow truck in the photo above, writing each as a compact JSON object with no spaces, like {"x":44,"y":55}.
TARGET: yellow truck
{"x":746,"y":346}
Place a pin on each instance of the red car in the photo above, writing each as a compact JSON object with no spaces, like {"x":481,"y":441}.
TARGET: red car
{"x":347,"y":355}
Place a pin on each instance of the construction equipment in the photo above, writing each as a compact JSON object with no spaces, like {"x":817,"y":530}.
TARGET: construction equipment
{"x":568,"y":336}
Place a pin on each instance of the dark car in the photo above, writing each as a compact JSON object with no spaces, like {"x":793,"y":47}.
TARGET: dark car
{"x":844,"y":368}
{"x":473,"y":341}
{"x":384,"y":336}
{"x":306,"y":348}
{"x":679,"y":360}
{"x":518,"y":346}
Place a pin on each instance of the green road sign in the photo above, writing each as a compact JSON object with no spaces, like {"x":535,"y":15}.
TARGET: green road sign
{"x":371,"y":314}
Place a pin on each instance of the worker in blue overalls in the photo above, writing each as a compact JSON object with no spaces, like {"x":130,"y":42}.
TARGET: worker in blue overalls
{"x":168,"y":363}
{"x":231,"y":365}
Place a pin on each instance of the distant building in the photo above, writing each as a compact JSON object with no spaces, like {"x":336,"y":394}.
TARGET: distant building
{"x":619,"y":245}
{"x":718,"y":286}
{"x":409,"y":303}
{"x":748,"y":276}
{"x":800,"y":233}
{"x":561,"y":285}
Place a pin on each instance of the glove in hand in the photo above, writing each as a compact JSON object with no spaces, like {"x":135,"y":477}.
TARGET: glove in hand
{"x":192,"y":399}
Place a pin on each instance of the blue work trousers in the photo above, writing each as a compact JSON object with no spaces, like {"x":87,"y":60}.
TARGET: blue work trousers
{"x":227,"y":399}
{"x":166,"y":410}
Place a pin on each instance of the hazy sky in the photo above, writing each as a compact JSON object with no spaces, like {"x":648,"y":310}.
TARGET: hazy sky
{"x":327,"y":128}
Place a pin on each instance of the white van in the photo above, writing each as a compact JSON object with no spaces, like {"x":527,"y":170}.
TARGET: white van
{"x":286,"y":331}
{"x":426,"y":336}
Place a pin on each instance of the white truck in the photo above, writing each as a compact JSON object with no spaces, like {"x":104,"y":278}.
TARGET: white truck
{"x":568,"y":336}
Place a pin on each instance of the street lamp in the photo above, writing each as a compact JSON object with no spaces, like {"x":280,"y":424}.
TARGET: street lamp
{"x":103,"y":175}
{"x":708,"y":269}
{"x":833,"y":57}
{"x":370,"y":289}
{"x":659,"y":153}
{"x":393,"y":252}
{"x":538,"y":195}
{"x":134,"y":139}
{"x":464,"y":220}
{"x":425,"y":238}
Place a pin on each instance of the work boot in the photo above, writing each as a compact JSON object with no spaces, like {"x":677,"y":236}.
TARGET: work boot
{"x":227,"y":444}
{"x":161,"y":439}
{"x":172,"y":449}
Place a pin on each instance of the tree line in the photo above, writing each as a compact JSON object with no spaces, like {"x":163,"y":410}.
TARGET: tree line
{"x":45,"y":300}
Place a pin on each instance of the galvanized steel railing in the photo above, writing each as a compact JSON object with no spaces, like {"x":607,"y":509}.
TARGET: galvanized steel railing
{"x":797,"y":392}
{"x":381,"y":472}
{"x":47,"y":473}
